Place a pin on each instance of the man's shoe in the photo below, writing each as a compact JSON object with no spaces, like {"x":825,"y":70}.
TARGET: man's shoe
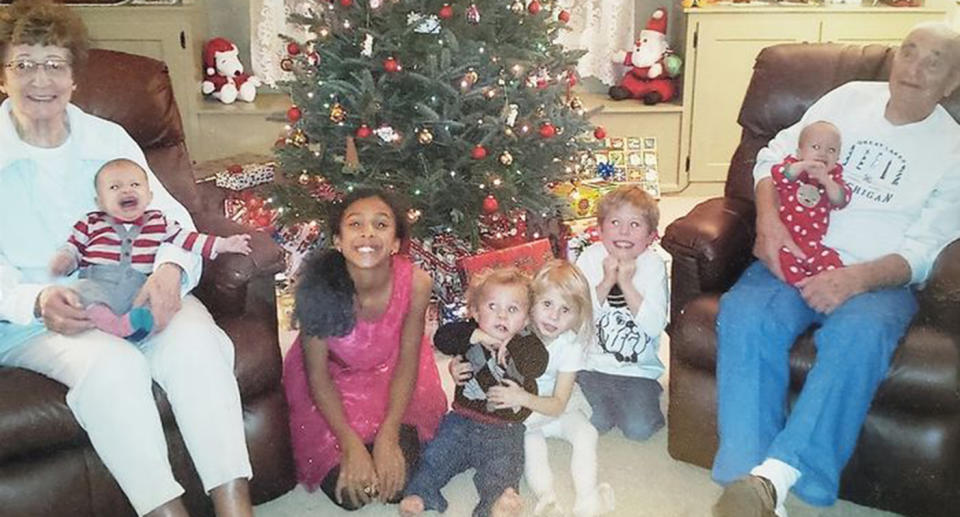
{"x":749,"y":496}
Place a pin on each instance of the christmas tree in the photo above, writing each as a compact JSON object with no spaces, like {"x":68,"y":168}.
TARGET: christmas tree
{"x":463,"y":107}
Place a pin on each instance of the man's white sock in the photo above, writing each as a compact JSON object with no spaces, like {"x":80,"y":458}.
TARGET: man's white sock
{"x":782,"y":475}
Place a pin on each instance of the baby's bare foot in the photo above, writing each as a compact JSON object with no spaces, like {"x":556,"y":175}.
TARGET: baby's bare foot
{"x":411,"y":506}
{"x":509,"y":504}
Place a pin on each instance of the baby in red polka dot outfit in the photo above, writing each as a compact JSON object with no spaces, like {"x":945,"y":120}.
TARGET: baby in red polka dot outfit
{"x":809,"y":186}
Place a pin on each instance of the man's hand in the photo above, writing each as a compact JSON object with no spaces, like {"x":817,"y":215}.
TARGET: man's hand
{"x":162,"y":293}
{"x":62,"y":264}
{"x":239,"y":243}
{"x":62,"y":311}
{"x":829,"y":289}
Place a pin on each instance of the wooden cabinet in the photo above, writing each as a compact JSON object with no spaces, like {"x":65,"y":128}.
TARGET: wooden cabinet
{"x":721,"y":46}
{"x":171,"y":33}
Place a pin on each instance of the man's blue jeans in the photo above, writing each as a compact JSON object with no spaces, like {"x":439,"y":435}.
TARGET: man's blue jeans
{"x":495,"y":451}
{"x":759,"y":320}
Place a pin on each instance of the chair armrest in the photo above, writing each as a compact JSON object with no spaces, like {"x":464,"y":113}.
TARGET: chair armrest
{"x":710,"y":246}
{"x":223,"y":285}
{"x":940,"y":298}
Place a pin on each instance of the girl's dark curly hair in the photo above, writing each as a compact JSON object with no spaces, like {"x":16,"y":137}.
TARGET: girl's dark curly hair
{"x":324,"y":299}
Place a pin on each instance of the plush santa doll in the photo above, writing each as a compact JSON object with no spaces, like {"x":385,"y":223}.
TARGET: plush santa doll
{"x":223,"y":76}
{"x":648,"y":77}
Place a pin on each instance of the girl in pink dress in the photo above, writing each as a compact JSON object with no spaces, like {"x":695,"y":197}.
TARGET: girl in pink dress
{"x":360,"y":380}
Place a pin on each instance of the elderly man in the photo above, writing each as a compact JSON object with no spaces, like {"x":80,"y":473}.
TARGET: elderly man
{"x":901,"y":156}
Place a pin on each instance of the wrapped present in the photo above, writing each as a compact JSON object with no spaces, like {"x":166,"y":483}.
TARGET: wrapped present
{"x":582,"y":196}
{"x":582,"y":234}
{"x":283,"y":289}
{"x":528,"y":257}
{"x":297,"y":240}
{"x":499,"y":231}
{"x":438,"y":256}
{"x":240,"y":177}
{"x":249,"y":209}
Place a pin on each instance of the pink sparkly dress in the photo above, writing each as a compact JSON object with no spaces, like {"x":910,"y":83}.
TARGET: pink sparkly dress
{"x":361,"y":365}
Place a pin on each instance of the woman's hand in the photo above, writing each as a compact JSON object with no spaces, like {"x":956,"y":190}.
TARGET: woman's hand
{"x":390,"y":464}
{"x":358,"y":478}
{"x":508,"y":395}
{"x":460,"y":370}
{"x":62,"y":311}
{"x":62,"y":264}
{"x":162,"y":293}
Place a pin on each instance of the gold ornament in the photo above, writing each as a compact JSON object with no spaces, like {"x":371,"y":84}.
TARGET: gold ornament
{"x":517,"y":7}
{"x":413,"y":215}
{"x":507,"y":130}
{"x":506,"y":158}
{"x":304,"y":178}
{"x":471,"y":77}
{"x":425,"y":137}
{"x":299,"y":138}
{"x":337,"y":113}
{"x":576,"y":103}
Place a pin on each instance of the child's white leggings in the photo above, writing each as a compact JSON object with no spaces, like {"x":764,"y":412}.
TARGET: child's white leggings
{"x":574,"y":427}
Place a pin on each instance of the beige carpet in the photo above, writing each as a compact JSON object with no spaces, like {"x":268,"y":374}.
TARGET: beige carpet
{"x":646,"y":481}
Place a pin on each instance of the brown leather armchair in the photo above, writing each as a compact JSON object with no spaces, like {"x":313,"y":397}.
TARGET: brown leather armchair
{"x":908,"y":455}
{"x":47,"y":466}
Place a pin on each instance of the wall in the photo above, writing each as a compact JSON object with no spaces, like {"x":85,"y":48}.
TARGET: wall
{"x":231,"y":19}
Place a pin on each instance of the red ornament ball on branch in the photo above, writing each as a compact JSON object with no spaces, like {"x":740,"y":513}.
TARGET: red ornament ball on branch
{"x":364,"y":131}
{"x":446,"y":12}
{"x":391,"y":65}
{"x":346,"y":3}
{"x":547,"y":130}
{"x":294,"y":114}
{"x":490,"y":204}
{"x":478,"y":152}
{"x":599,"y":133}
{"x":564,"y":16}
{"x":534,"y":7}
{"x":293,"y":49}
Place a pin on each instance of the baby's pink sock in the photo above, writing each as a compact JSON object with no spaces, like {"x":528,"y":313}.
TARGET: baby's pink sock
{"x":132,"y":325}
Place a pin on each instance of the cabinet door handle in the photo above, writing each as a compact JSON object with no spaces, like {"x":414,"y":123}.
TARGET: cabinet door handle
{"x":183,"y":40}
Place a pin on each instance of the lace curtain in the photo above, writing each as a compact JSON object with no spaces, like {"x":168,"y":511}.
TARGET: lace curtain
{"x":602,"y":27}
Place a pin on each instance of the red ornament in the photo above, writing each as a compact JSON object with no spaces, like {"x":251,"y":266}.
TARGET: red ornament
{"x":346,"y":3}
{"x":391,"y":65}
{"x":599,"y":133}
{"x":478,"y":152}
{"x":293,"y":114}
{"x":364,"y":131}
{"x":564,"y":16}
{"x":534,"y":7}
{"x":547,"y":130}
{"x":254,"y":203}
{"x":490,"y":204}
{"x":446,"y":12}
{"x":293,"y":49}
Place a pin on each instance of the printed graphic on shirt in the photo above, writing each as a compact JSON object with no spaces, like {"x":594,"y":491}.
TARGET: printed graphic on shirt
{"x":873,"y":170}
{"x":620,"y":336}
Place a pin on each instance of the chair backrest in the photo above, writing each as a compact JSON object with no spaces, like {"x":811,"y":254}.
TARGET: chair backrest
{"x":786,"y":80}
{"x":135,"y":92}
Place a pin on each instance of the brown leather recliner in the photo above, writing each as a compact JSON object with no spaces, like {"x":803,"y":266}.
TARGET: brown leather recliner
{"x":907,"y":458}
{"x":47,"y":466}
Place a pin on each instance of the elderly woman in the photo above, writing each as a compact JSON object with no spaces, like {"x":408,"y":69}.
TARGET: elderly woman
{"x":49,"y":152}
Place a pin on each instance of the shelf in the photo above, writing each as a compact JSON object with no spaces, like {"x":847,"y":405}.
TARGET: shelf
{"x":798,"y":7}
{"x":593,"y":100}
{"x":264,"y":104}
